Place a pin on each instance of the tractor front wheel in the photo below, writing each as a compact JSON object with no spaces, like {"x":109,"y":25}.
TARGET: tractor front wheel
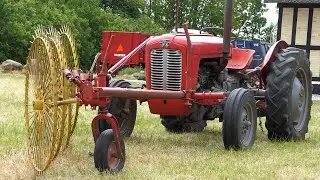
{"x":288,"y":95}
{"x":239,"y":120}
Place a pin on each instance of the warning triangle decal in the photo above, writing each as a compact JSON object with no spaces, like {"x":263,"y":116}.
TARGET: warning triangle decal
{"x":120,"y":48}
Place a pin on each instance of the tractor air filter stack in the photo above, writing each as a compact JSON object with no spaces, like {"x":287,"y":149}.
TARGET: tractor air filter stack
{"x":227,"y":28}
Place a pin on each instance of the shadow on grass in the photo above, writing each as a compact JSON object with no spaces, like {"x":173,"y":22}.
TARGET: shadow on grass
{"x":168,"y":139}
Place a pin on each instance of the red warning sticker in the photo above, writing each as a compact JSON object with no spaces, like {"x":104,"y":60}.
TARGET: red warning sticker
{"x":120,"y":48}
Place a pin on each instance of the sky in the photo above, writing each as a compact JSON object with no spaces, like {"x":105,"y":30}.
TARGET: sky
{"x":271,"y":14}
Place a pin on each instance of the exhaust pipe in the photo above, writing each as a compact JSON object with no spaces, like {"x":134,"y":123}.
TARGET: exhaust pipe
{"x":227,"y":26}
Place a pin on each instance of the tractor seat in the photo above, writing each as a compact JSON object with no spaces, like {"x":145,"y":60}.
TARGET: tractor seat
{"x":240,"y":59}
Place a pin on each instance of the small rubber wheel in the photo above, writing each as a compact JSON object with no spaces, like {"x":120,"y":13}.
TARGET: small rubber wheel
{"x":124,"y":109}
{"x":239,"y":120}
{"x":105,"y":153}
{"x":288,"y":95}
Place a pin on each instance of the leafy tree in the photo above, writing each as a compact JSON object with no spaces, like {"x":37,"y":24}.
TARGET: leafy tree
{"x":267,"y":33}
{"x":86,"y":19}
{"x":250,"y":21}
{"x":125,"y":8}
{"x":247,"y":15}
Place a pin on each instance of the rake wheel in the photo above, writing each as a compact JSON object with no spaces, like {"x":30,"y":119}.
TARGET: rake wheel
{"x":56,"y":52}
{"x":69,"y":61}
{"x":41,"y":111}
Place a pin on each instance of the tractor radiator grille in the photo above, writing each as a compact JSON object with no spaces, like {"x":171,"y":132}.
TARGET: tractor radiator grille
{"x":166,"y":67}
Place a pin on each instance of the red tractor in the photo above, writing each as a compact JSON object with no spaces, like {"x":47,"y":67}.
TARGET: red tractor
{"x":193,"y":78}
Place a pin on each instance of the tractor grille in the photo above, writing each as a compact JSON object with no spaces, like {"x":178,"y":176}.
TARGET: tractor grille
{"x":166,"y":69}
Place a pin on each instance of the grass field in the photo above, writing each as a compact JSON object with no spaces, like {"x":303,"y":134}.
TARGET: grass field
{"x":153,"y":153}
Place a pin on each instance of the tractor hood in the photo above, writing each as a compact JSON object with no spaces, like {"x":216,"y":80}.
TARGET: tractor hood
{"x":202,"y":44}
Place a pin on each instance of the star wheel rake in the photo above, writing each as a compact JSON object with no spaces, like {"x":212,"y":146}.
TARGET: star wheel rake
{"x":41,"y":97}
{"x":50,"y":105}
{"x":70,"y":61}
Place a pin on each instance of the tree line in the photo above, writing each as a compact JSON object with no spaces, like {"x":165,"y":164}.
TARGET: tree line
{"x":89,"y":18}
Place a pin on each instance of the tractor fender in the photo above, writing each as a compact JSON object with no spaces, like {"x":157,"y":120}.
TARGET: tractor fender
{"x":270,"y":57}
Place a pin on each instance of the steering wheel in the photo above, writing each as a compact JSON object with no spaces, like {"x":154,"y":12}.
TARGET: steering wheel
{"x":215,"y":28}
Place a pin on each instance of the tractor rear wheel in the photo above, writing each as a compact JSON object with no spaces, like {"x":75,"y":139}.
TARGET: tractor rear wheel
{"x":125,"y":110}
{"x":288,"y":95}
{"x":239,"y":120}
{"x":191,"y":123}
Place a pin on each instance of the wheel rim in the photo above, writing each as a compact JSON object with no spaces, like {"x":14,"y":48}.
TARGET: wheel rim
{"x":113,"y":160}
{"x":40,"y":108}
{"x":70,"y":61}
{"x":56,"y":51}
{"x":299,"y":96}
{"x":246,"y":126}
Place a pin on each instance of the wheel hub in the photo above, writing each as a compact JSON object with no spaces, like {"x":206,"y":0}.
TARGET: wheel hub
{"x":39,"y":102}
{"x":246,"y":124}
{"x":113,"y":159}
{"x":38,"y":105}
{"x":298,"y":104}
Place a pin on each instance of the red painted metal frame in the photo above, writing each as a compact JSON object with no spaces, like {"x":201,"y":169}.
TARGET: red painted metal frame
{"x":189,"y":45}
{"x":115,"y":127}
{"x":93,"y":96}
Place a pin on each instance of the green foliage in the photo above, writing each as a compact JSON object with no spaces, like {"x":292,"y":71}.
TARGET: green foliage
{"x":86,"y":19}
{"x":267,"y":33}
{"x":125,"y":8}
{"x":249,"y":21}
{"x":197,"y":14}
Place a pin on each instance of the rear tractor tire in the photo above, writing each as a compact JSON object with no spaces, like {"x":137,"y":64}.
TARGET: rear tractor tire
{"x":239,"y":120}
{"x":125,"y":111}
{"x":288,"y":95}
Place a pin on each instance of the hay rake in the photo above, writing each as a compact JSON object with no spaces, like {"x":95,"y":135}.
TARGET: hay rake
{"x":51,"y":108}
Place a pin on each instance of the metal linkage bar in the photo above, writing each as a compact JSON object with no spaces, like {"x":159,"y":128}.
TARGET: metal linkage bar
{"x":139,"y":93}
{"x":125,"y":59}
{"x":67,"y":101}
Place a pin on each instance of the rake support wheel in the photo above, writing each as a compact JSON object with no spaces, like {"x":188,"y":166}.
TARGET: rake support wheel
{"x":105,"y":153}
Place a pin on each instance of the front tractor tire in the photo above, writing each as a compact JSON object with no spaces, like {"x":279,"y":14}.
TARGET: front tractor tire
{"x":124,"y":109}
{"x":239,"y":120}
{"x":288,"y":95}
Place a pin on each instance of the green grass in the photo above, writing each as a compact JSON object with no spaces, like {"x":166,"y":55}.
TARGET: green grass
{"x":153,"y":153}
{"x":129,"y":71}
